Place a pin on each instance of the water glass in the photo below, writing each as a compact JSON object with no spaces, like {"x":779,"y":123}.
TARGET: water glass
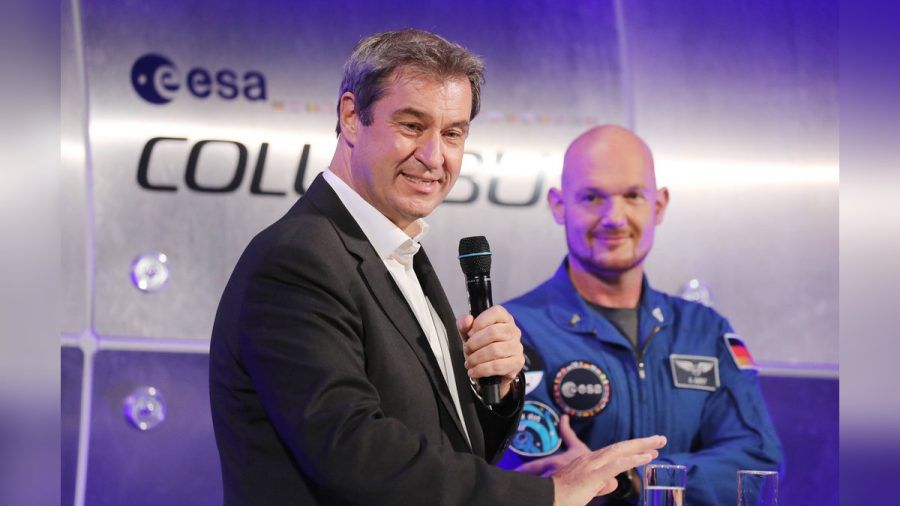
{"x":664,"y":484}
{"x":757,"y":488}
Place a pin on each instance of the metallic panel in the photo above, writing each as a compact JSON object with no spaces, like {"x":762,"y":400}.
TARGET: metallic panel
{"x":176,"y":463}
{"x":753,"y":82}
{"x":739,"y":103}
{"x":73,"y":219}
{"x":299,"y":49}
{"x":805,"y":414}
{"x":769,"y":255}
{"x":737,"y":100}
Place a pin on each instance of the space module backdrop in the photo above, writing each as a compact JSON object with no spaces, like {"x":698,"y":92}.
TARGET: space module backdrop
{"x":189,"y":126}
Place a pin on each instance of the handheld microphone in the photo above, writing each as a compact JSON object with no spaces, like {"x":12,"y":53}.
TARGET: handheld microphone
{"x":475,"y":260}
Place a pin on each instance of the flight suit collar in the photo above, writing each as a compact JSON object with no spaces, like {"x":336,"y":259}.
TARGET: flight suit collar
{"x":571,"y":313}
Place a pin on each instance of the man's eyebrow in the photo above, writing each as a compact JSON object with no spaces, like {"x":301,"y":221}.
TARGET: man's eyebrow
{"x":424,"y":116}
{"x":411,"y":111}
{"x":461,"y":124}
{"x":637,"y":188}
{"x":640,"y":188}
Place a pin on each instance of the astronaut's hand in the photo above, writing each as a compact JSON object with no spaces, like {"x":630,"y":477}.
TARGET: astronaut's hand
{"x":548,"y":465}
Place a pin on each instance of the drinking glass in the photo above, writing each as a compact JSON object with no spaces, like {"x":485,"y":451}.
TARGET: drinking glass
{"x":664,"y":484}
{"x":757,"y":488}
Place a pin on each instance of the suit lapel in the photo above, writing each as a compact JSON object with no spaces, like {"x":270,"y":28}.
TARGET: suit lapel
{"x":389,"y":297}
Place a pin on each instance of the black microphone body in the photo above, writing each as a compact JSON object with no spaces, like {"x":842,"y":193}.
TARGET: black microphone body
{"x":475,"y":260}
{"x":479,"y":290}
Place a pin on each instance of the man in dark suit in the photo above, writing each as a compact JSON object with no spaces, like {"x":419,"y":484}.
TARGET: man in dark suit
{"x":337,"y":375}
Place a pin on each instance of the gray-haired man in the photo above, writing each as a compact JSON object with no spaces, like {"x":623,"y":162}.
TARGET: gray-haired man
{"x":337,"y":374}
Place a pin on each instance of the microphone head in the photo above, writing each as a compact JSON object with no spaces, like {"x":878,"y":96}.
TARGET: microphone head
{"x":475,"y":256}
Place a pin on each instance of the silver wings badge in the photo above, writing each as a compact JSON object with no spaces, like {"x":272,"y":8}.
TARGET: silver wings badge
{"x":695,"y":371}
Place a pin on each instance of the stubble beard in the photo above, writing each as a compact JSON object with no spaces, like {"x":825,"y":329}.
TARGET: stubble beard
{"x":608,"y":271}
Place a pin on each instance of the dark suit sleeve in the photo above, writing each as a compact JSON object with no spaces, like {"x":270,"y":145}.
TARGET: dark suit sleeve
{"x":302,"y":341}
{"x":500,"y":422}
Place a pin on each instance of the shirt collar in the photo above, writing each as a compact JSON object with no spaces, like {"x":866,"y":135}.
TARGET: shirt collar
{"x":387,"y":238}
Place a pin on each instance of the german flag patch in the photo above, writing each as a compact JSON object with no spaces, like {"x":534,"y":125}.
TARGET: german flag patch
{"x":739,"y":352}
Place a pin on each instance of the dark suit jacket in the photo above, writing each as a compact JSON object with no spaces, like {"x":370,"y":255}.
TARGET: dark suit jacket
{"x":324,"y":389}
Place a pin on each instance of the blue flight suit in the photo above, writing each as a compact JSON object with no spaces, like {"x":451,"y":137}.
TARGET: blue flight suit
{"x":714,"y":431}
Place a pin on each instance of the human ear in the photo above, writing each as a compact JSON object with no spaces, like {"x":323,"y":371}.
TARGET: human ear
{"x":557,"y":206}
{"x":662,"y":201}
{"x":348,"y":117}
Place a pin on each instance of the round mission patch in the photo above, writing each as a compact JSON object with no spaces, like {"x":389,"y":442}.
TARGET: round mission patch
{"x":581,"y":389}
{"x":538,"y":433}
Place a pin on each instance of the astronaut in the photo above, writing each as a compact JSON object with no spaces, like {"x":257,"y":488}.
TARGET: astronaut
{"x":609,"y":358}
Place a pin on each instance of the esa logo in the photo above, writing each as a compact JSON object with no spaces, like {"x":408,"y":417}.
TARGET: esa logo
{"x":157,"y":80}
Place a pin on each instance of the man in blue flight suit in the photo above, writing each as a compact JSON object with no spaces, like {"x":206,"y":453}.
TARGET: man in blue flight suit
{"x":609,"y":358}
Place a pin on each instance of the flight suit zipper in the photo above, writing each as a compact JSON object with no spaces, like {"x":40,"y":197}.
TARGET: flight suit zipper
{"x":639,"y":351}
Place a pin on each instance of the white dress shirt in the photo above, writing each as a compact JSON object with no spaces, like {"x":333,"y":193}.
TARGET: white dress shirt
{"x":396,"y":249}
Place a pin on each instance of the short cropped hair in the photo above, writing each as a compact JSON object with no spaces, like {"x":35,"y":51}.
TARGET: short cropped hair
{"x":376,"y":57}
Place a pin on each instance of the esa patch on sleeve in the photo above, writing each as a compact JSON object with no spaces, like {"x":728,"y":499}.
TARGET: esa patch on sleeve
{"x":538,"y":434}
{"x":695,"y":371}
{"x":739,"y":352}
